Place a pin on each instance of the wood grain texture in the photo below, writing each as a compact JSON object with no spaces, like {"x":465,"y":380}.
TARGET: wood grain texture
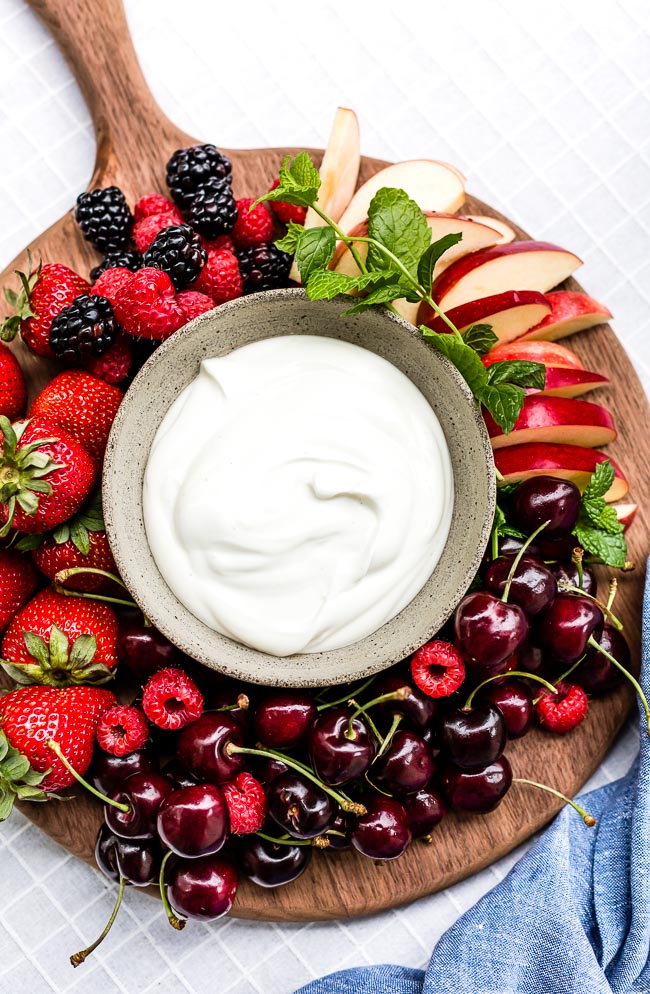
{"x":131,"y":151}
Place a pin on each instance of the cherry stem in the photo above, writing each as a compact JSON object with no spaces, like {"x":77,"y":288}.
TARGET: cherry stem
{"x":576,"y":558}
{"x":626,"y":673}
{"x":500,"y":676}
{"x":389,"y":737}
{"x":174,"y":920}
{"x":65,"y":574}
{"x":588,"y":819}
{"x":396,"y":695}
{"x":357,"y":809}
{"x":565,"y":676}
{"x":344,"y":700}
{"x":56,"y":749}
{"x":613,"y":587}
{"x":517,"y":560}
{"x":320,"y":842}
{"x":583,"y":593}
{"x":78,"y":958}
{"x":301,"y":767}
{"x":242,"y":704}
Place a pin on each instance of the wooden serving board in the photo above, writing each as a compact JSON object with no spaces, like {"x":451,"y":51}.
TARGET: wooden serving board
{"x":134,"y":141}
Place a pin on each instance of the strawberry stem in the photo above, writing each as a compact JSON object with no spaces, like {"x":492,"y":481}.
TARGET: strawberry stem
{"x":517,"y":560}
{"x":56,"y":749}
{"x":500,"y":676}
{"x":173,"y":919}
{"x":65,"y":574}
{"x":626,"y":673}
{"x":78,"y":958}
{"x":92,"y":597}
{"x":588,"y":819}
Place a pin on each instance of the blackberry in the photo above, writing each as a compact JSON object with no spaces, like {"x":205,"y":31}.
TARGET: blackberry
{"x":104,"y":218}
{"x":213,"y":211}
{"x":127,"y":259}
{"x":177,"y":250}
{"x":87,"y":327}
{"x":189,"y":169}
{"x":264,"y":267}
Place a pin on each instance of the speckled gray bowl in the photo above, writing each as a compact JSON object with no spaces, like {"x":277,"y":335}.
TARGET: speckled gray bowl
{"x":174,"y":365}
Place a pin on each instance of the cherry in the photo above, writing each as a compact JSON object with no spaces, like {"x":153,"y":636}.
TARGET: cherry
{"x":424,"y":810}
{"x":202,"y":747}
{"x":531,"y":658}
{"x":418,"y":708}
{"x":473,"y":738}
{"x":270,"y":864}
{"x":533,"y":586}
{"x":283,"y":718}
{"x":144,"y":649}
{"x":266,"y":769}
{"x":143,"y":793}
{"x":407,"y":764}
{"x":344,"y":823}
{"x":202,"y":888}
{"x":298,"y":806}
{"x":568,"y":573}
{"x":546,"y":498}
{"x":513,"y":701}
{"x":383,"y":832}
{"x":138,"y":861}
{"x":510,"y":546}
{"x":477,"y":790}
{"x":105,"y":853}
{"x":597,"y":674}
{"x":231,"y":700}
{"x":554,"y":549}
{"x":179,"y":776}
{"x":341,"y":747}
{"x":564,"y":630}
{"x":107,"y":771}
{"x":488,"y":630}
{"x":193,"y":821}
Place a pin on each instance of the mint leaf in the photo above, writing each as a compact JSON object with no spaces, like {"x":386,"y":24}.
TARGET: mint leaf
{"x":609,"y":522}
{"x":314,"y":251}
{"x":466,"y":361}
{"x":523,"y":374}
{"x":593,"y":502}
{"x":398,"y":223}
{"x":598,"y":529}
{"x":291,"y":239}
{"x":325,"y":284}
{"x":382,"y":295}
{"x":429,"y":258}
{"x":504,"y":402}
{"x":612,"y":549}
{"x":480,"y":337}
{"x":299,"y":183}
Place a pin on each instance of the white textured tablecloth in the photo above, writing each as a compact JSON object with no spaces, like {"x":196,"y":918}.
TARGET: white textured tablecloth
{"x":545,"y":106}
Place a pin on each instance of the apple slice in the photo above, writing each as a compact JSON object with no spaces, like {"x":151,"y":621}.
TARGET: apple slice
{"x":434,"y":186}
{"x":569,"y":462}
{"x":556,"y":419}
{"x":626,"y":514}
{"x":548,"y":353}
{"x":521,"y":265}
{"x":508,"y":313}
{"x":562,"y":381}
{"x":570,"y":312}
{"x":506,"y":233}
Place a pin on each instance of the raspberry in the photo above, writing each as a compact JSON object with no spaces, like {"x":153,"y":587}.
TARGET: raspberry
{"x":145,"y":231}
{"x":114,"y":365}
{"x":111,"y":283}
{"x":83,"y":329}
{"x":222,"y":242}
{"x":152,"y":203}
{"x":287,"y":212}
{"x":220,"y":277}
{"x":192,"y":303}
{"x":171,"y":699}
{"x":213,"y":211}
{"x":128,"y":259}
{"x":189,"y":169}
{"x":147,"y":306}
{"x":122,"y":730}
{"x":437,"y":668}
{"x":252,"y":226}
{"x":178,"y":251}
{"x":563,"y":711}
{"x":104,"y":218}
{"x":246,"y":802}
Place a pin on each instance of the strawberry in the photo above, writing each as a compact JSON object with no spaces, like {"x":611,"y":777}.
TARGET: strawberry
{"x":122,"y":730}
{"x":437,"y":668}
{"x":252,"y":227}
{"x":246,"y":802}
{"x":114,"y":365}
{"x":192,"y":303}
{"x":111,"y":283}
{"x":82,"y":405}
{"x":147,"y":307}
{"x":145,"y":230}
{"x":287,"y":212}
{"x":30,"y":717}
{"x":171,"y":699}
{"x":44,"y":294}
{"x":220,"y":278}
{"x":45,"y":475}
{"x":563,"y":711}
{"x":18,"y":581}
{"x":13,"y":389}
{"x":57,"y":640}
{"x":152,"y":203}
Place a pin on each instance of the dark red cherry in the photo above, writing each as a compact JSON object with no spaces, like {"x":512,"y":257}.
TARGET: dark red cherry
{"x":179,"y":776}
{"x":564,"y":630}
{"x":343,"y":823}
{"x":298,"y":806}
{"x":531,"y":658}
{"x":105,"y":853}
{"x":407,"y":764}
{"x":144,"y":793}
{"x":533,"y":585}
{"x":487,"y":631}
{"x":194,"y":821}
{"x":202,"y":888}
{"x":235,"y":702}
{"x":418,"y":708}
{"x":510,"y":546}
{"x":597,"y":675}
{"x":138,"y":860}
{"x":283,"y":718}
{"x":476,"y":790}
{"x":107,"y":771}
{"x":513,"y":701}
{"x":554,"y":549}
{"x":265,"y":769}
{"x":473,"y":738}
{"x":269,"y":864}
{"x":202,"y":747}
{"x":424,"y":810}
{"x":340,"y":753}
{"x":383,"y":832}
{"x":568,"y":573}
{"x":144,"y":649}
{"x":546,"y":498}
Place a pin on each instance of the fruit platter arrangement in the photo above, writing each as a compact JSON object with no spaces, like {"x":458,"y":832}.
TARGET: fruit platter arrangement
{"x":229,"y":796}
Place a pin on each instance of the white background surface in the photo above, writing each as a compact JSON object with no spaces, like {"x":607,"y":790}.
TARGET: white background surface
{"x":545,"y":106}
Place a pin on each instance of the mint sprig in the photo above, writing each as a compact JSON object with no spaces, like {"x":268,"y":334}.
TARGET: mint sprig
{"x":598,"y":529}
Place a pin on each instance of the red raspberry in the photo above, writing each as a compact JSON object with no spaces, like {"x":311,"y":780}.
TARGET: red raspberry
{"x":563,"y":711}
{"x":171,"y":699}
{"x":152,"y":203}
{"x":122,"y":730}
{"x":114,"y":365}
{"x":220,"y":278}
{"x":252,"y":227}
{"x":147,"y":307}
{"x":192,"y":303}
{"x":438,"y":668}
{"x":111,"y":283}
{"x":246,"y":802}
{"x":145,"y":230}
{"x":287,"y":212}
{"x":222,"y":242}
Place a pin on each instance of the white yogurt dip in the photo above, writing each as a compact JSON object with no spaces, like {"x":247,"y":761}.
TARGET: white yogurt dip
{"x":298,"y":494}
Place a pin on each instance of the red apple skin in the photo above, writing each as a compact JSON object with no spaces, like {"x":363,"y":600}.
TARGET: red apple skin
{"x":548,"y":353}
{"x":524,"y":304}
{"x":570,"y":312}
{"x":626,"y":514}
{"x":556,"y":419}
{"x":564,"y":382}
{"x":570,"y":462}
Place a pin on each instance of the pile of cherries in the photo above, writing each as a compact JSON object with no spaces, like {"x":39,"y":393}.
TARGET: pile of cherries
{"x":369,"y":767}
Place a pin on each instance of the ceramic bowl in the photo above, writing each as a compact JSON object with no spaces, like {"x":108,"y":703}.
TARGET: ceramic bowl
{"x":169,"y":370}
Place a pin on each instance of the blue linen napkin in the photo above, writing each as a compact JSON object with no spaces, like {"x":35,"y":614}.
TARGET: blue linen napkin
{"x":573,"y":915}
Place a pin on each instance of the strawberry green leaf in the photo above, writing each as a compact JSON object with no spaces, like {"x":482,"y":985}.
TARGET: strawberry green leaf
{"x":83,"y":651}
{"x":80,"y":537}
{"x":37,"y":648}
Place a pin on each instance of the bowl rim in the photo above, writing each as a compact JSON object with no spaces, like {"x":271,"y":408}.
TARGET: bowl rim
{"x":146,"y":602}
